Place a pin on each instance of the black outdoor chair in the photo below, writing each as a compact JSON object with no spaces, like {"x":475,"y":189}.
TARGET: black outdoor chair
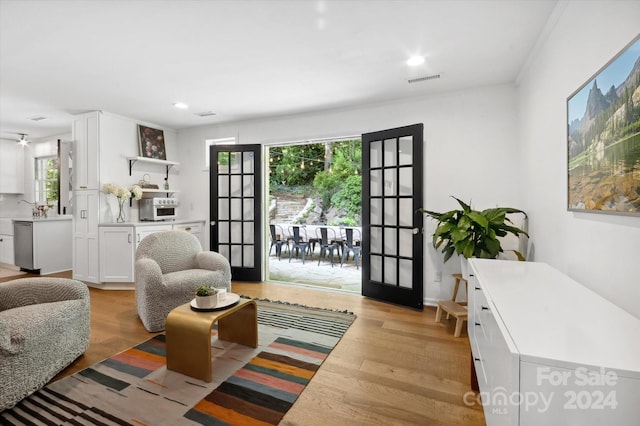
{"x":351,"y":245}
{"x":298,"y":242}
{"x":278,"y":240}
{"x":327,"y":243}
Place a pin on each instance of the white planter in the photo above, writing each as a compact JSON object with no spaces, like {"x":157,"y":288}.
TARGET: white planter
{"x":464,"y":266}
{"x":207,"y":302}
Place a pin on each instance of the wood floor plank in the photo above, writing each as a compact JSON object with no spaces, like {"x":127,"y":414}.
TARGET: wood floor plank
{"x":394,"y":366}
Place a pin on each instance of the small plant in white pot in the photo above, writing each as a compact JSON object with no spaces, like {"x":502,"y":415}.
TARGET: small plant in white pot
{"x":206,"y":297}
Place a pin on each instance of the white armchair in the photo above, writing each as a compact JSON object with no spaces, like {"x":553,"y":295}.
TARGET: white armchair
{"x":44,"y":327}
{"x":169,"y":267}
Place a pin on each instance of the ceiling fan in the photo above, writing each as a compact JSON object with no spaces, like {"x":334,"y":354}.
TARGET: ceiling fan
{"x":22,"y":141}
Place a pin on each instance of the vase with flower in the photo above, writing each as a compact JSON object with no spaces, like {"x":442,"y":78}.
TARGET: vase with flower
{"x":122,"y":195}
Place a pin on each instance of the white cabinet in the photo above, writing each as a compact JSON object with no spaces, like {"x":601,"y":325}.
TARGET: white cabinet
{"x":86,"y":148}
{"x":85,"y":235}
{"x":118,"y":244}
{"x":549,"y":351}
{"x":43,"y":245}
{"x":6,"y":249}
{"x":11,"y":167}
{"x":195,"y":228}
{"x":144,"y":230}
{"x":117,"y":248}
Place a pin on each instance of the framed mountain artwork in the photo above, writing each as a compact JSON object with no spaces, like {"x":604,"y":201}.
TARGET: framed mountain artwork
{"x":603,"y":138}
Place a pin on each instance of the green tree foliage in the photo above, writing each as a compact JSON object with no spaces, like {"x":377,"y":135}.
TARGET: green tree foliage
{"x":295,"y":165}
{"x":334,"y":175}
{"x":341,"y":185}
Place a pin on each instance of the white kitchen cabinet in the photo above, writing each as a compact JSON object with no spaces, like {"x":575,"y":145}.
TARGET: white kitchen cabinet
{"x":6,"y":249}
{"x":11,"y":167}
{"x":85,"y":235}
{"x":549,"y":351}
{"x":144,"y":230}
{"x":118,"y":244}
{"x":195,"y":228}
{"x":43,"y":245}
{"x":117,"y":248}
{"x":86,"y":149}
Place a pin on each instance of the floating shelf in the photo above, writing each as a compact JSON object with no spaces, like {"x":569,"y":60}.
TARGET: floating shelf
{"x":167,"y":164}
{"x":168,"y":191}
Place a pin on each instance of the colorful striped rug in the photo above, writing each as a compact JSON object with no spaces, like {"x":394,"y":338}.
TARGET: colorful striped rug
{"x":251,"y":386}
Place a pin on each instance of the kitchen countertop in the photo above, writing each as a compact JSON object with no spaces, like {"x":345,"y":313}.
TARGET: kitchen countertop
{"x":150,"y":223}
{"x":41,"y":219}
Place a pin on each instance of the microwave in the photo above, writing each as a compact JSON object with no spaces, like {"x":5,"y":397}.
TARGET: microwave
{"x":157,"y":209}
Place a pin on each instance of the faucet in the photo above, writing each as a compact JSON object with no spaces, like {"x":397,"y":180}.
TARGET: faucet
{"x":34,"y":211}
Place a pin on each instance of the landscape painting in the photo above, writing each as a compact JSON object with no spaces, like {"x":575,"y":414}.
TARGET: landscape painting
{"x":603,"y":140}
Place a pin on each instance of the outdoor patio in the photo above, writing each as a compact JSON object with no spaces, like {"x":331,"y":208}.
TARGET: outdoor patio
{"x":345,"y":278}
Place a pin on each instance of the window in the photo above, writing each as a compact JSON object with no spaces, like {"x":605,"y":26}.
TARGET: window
{"x":46,"y":190}
{"x":209,"y":142}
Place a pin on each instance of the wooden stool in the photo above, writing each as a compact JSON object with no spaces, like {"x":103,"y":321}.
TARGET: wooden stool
{"x":457,"y":309}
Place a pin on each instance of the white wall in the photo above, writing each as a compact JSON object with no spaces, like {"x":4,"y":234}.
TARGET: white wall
{"x":470,"y":152}
{"x":119,"y":140}
{"x":598,"y":250}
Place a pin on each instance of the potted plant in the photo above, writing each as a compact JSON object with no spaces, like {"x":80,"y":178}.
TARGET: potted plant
{"x":206,"y":297}
{"x":473,"y":233}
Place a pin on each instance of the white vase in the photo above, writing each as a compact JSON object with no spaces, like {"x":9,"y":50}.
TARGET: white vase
{"x":207,"y":302}
{"x":464,"y":266}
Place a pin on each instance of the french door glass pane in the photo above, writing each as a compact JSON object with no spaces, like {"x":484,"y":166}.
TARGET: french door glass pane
{"x":376,"y":268}
{"x":247,"y":162}
{"x":390,"y":213}
{"x":376,"y":183}
{"x":406,"y":241}
{"x":390,"y":153}
{"x":223,"y":232}
{"x":236,"y":185}
{"x":406,"y":273}
{"x":375,"y":216}
{"x":223,"y":186}
{"x":390,"y":243}
{"x":390,"y":270}
{"x":223,"y":208}
{"x":405,"y":154}
{"x":405,"y":218}
{"x":236,"y":232}
{"x":390,"y":182}
{"x":406,"y":181}
{"x":376,"y":154}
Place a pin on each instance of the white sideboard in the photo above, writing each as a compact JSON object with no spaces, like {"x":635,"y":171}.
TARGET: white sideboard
{"x":549,"y":351}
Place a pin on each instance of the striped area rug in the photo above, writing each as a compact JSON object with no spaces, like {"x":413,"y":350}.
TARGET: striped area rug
{"x":251,"y":386}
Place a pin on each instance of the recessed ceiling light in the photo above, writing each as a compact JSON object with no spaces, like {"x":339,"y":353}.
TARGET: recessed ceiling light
{"x":414,"y":61}
{"x":181,"y":105}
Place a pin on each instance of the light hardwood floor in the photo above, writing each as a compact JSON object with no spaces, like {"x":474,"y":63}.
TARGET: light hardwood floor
{"x":394,"y":366}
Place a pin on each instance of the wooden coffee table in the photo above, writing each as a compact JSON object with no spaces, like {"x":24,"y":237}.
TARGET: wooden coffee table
{"x":188,"y":335}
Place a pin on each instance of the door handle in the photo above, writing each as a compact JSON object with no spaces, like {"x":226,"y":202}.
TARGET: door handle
{"x":415,"y":231}
{"x":212,"y":223}
{"x":129,"y":238}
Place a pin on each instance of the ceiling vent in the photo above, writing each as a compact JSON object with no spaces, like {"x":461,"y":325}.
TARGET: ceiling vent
{"x":429,"y":77}
{"x":205,"y":114}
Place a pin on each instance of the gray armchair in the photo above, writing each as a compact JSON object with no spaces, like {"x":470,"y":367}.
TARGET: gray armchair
{"x":44,"y":327}
{"x":169,"y":267}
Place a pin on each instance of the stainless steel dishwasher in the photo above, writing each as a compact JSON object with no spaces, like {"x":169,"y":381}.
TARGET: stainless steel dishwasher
{"x":23,"y":244}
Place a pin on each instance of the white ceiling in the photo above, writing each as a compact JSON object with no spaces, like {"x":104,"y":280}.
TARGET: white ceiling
{"x":247,"y":59}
